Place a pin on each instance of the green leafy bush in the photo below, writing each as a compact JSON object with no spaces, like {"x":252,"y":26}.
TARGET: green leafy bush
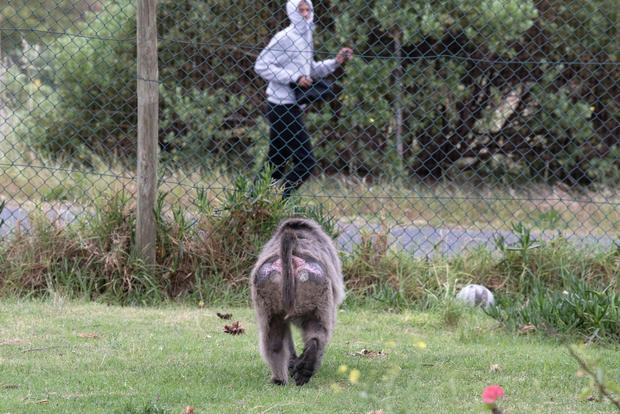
{"x":92,"y":109}
{"x":440,"y":74}
{"x":43,"y":16}
{"x":195,"y":136}
{"x":423,"y":96}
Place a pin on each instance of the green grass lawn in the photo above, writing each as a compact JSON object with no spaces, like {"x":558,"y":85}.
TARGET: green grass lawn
{"x":70,"y":357}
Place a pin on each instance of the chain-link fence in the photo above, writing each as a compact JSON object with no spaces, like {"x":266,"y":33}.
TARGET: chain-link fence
{"x":452,"y":121}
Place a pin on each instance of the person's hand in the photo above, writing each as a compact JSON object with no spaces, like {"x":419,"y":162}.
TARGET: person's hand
{"x":304,"y":81}
{"x":345,"y":54}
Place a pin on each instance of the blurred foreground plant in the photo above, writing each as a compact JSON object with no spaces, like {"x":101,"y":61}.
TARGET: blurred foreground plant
{"x":490,"y":395}
{"x":599,"y":380}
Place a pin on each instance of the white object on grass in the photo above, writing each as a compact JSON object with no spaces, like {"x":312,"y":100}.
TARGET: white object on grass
{"x":474,"y":295}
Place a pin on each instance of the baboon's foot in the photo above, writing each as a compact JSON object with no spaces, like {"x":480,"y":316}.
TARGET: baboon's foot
{"x":305,"y":366}
{"x":279,"y":381}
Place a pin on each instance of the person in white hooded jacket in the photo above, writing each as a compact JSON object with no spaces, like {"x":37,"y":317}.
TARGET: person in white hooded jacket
{"x":289,"y":58}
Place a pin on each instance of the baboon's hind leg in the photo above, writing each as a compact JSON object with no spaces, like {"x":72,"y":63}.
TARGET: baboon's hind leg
{"x":315,"y":338}
{"x":278,"y":344}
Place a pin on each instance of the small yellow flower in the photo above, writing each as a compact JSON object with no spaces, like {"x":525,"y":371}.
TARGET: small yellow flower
{"x":592,"y":108}
{"x":354,"y":376}
{"x":372,"y":120}
{"x":390,"y":344}
{"x":420,"y":345}
{"x":208,"y":108}
{"x":201,"y":304}
{"x":37,"y":83}
{"x":342,"y":369}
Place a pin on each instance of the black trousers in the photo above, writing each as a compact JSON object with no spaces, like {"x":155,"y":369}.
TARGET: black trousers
{"x":289,"y":139}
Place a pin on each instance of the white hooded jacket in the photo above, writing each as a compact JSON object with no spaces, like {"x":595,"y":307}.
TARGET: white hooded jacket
{"x":290,"y":55}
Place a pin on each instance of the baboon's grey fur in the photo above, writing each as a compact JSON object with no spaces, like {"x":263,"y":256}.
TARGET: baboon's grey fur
{"x":297,"y":278}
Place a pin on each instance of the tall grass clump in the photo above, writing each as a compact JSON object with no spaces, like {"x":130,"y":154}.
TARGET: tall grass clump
{"x":218,"y":246}
{"x":91,"y":259}
{"x":577,"y":309}
{"x":205,"y":250}
{"x":382,"y":277}
{"x":552,"y":287}
{"x":559,"y":289}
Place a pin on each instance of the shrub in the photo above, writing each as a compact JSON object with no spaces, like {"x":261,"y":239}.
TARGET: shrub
{"x":93,"y":107}
{"x":448,"y":76}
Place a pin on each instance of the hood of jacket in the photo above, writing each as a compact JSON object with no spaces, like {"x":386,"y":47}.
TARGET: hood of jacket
{"x":298,"y":23}
{"x":290,"y":55}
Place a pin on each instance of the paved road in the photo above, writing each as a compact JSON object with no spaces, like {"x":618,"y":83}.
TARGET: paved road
{"x":427,"y":241}
{"x":12,"y":217}
{"x":422,"y":241}
{"x":9,"y":218}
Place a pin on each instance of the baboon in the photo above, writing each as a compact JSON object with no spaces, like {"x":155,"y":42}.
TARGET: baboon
{"x":296,"y":279}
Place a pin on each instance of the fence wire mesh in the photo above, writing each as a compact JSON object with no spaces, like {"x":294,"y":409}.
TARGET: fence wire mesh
{"x":452,"y":122}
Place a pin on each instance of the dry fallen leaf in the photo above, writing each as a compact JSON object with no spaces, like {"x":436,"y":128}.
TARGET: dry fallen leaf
{"x":369,"y":353}
{"x":495,"y":368}
{"x":527,"y":328}
{"x":189,"y":410}
{"x":41,"y":402}
{"x":375,"y":412}
{"x":88,"y":336}
{"x":224,"y":315}
{"x":234,"y":329}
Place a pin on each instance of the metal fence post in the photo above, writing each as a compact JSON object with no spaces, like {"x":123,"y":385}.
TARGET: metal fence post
{"x":148,"y":103}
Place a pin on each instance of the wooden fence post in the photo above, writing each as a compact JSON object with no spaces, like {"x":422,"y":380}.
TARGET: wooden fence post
{"x":148,"y":107}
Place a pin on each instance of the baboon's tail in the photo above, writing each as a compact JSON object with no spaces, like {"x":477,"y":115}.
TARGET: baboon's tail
{"x":287,"y":244}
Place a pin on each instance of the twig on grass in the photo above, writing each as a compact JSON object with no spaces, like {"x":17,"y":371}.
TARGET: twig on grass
{"x":600,"y":386}
{"x":42,"y":349}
